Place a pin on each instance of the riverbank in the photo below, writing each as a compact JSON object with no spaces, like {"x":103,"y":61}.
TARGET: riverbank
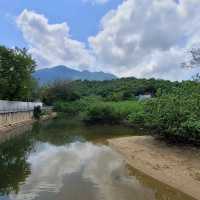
{"x":178,"y":167}
{"x":20,"y":127}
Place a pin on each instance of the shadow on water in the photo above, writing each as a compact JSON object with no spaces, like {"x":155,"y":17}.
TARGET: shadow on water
{"x":64,"y":159}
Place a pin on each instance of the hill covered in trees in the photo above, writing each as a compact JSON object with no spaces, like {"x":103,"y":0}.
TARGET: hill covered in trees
{"x":63,"y":73}
{"x":122,"y":89}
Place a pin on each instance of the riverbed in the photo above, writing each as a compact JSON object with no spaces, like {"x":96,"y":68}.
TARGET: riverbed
{"x":65,"y":159}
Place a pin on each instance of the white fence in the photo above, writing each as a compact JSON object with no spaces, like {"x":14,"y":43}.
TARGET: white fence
{"x":17,"y":106}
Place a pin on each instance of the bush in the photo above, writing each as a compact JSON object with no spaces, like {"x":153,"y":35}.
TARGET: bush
{"x":76,"y":107}
{"x":70,"y":108}
{"x":101,"y":113}
{"x":177,"y":115}
{"x":137,"y":118}
{"x":94,"y":110}
{"x":111,"y":112}
{"x":58,"y":91}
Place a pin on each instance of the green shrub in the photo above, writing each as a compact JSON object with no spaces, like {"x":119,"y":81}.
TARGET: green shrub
{"x":70,"y":108}
{"x":111,"y":112}
{"x":101,"y":113}
{"x":137,"y":118}
{"x":93,"y":109}
{"x":177,"y":115}
{"x":58,"y":91}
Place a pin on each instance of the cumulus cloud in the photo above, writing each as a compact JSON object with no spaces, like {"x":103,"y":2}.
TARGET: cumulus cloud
{"x":148,"y":38}
{"x":51,"y":44}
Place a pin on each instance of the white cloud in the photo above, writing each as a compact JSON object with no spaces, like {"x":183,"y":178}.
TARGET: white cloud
{"x":148,"y":38}
{"x":96,"y":1}
{"x":51,"y":44}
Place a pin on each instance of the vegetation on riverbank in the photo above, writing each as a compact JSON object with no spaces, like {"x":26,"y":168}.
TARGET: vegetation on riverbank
{"x":173,"y":111}
{"x":177,"y":114}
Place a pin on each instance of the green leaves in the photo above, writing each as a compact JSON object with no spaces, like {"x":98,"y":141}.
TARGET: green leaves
{"x":16,"y":68}
{"x":178,"y":112}
{"x":58,"y":91}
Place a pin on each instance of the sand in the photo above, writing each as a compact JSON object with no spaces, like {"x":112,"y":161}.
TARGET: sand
{"x":178,"y":167}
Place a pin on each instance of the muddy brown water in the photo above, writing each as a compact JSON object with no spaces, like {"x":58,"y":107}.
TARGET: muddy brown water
{"x":66,"y":160}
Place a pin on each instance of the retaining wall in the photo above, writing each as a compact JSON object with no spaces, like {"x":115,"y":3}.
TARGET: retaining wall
{"x":7,"y":119}
{"x":12,"y":112}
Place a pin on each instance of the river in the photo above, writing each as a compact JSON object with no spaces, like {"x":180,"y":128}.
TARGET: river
{"x":66,"y":160}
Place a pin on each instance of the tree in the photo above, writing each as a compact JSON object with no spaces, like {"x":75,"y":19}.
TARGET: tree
{"x":58,"y":91}
{"x":194,"y":60}
{"x":16,"y":68}
{"x":196,"y":77}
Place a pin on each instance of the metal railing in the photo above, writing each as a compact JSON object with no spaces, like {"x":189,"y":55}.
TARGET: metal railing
{"x":17,"y":106}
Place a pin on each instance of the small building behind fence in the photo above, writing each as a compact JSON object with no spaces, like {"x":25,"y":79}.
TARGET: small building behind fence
{"x":143,"y":97}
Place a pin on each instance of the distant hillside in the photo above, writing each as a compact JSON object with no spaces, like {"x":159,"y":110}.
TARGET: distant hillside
{"x":49,"y":75}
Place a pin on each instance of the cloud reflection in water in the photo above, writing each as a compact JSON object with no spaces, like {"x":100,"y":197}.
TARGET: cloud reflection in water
{"x":79,"y":171}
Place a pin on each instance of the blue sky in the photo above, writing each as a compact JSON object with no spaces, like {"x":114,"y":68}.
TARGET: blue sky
{"x":141,"y":38}
{"x":82,"y":18}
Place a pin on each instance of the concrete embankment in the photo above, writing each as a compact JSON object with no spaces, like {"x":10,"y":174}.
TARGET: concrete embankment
{"x":12,"y":118}
{"x":21,"y":125}
{"x":178,"y":167}
{"x":14,"y":112}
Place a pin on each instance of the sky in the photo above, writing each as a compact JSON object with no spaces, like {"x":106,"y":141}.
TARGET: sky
{"x":141,"y":38}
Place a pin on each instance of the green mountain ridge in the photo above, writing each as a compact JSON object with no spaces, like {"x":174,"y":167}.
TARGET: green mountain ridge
{"x":49,"y":75}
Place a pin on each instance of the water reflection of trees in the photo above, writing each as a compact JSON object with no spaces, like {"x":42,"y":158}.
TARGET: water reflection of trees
{"x":57,"y":132}
{"x":14,"y":168}
{"x":64,"y":130}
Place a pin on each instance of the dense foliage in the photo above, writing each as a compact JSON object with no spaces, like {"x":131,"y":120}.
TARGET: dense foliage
{"x":121,"y":89}
{"x":57,"y":91}
{"x":95,"y":110}
{"x":16,"y":68}
{"x":173,"y":111}
{"x":176,"y":115}
{"x":111,"y":112}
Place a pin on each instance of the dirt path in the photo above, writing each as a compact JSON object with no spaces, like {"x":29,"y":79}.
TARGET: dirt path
{"x":178,"y":167}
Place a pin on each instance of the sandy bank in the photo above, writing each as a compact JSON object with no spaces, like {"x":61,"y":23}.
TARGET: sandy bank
{"x":178,"y":167}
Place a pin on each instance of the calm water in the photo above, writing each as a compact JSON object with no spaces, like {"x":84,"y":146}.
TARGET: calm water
{"x":65,"y":160}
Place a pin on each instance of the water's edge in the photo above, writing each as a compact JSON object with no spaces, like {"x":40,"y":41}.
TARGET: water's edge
{"x":64,"y":158}
{"x":189,"y":187}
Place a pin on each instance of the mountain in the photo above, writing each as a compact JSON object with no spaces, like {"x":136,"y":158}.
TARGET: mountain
{"x":61,"y":72}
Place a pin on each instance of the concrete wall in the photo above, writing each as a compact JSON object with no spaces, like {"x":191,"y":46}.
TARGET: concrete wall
{"x":7,"y":119}
{"x":12,"y":112}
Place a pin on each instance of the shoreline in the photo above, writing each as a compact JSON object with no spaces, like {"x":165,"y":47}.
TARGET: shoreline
{"x":177,"y":167}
